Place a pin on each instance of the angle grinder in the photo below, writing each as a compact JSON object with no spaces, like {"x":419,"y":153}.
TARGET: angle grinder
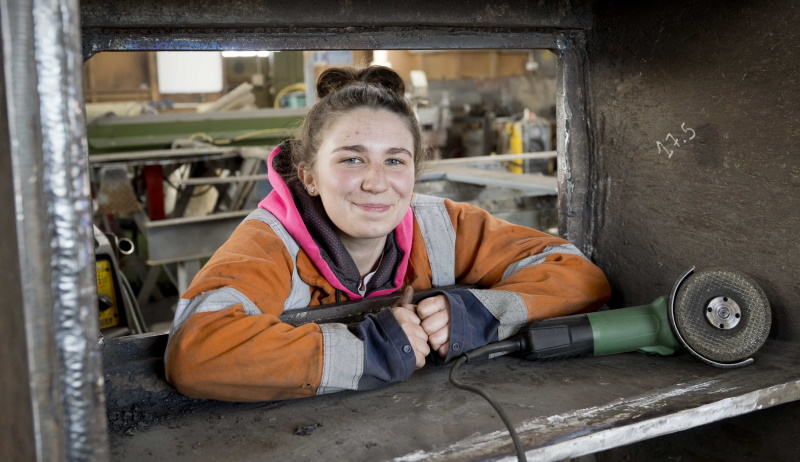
{"x":720,"y":316}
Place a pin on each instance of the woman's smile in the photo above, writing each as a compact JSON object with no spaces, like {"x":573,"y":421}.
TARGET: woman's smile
{"x":374,"y":208}
{"x":364,"y":173}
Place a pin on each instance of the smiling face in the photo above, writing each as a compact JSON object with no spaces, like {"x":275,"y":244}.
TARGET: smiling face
{"x":364,"y":174}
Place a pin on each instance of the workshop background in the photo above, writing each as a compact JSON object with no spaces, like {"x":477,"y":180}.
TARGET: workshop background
{"x":177,"y":138}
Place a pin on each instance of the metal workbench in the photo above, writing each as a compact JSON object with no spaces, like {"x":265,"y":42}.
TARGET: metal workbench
{"x":561,"y":409}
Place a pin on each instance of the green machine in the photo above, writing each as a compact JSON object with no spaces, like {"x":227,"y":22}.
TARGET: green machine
{"x":720,"y":316}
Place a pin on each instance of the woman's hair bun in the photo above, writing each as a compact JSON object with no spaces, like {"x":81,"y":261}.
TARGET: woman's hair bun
{"x":383,"y":77}
{"x":336,"y":78}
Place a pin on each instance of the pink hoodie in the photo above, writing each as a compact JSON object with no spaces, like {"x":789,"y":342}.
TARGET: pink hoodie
{"x":279,"y":202}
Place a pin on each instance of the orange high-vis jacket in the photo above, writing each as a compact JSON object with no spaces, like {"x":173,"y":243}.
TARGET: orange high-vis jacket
{"x":234,"y":347}
{"x":227,"y":341}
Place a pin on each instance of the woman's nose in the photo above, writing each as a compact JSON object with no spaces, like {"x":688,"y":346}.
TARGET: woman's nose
{"x":375,"y":179}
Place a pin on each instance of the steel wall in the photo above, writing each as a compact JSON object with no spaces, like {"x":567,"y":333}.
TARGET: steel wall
{"x":249,"y":14}
{"x":730,"y":196}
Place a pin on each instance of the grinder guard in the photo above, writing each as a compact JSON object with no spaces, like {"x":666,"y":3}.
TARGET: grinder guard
{"x":721,"y":346}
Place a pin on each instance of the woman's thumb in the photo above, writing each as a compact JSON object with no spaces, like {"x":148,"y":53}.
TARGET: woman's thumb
{"x":406,"y":298}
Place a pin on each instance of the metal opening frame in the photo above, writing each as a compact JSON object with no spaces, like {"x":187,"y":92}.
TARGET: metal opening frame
{"x":574,"y":173}
{"x":689,"y":393}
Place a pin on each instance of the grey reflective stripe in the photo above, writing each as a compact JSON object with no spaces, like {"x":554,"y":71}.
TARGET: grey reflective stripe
{"x":343,"y":359}
{"x":506,"y":307}
{"x":213,"y":300}
{"x":439,"y":236}
{"x":299,"y":293}
{"x":534,"y":260}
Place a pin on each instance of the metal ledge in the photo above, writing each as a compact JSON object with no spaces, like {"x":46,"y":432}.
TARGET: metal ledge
{"x":561,"y":409}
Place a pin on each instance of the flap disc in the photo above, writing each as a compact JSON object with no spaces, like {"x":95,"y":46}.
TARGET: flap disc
{"x":721,"y":315}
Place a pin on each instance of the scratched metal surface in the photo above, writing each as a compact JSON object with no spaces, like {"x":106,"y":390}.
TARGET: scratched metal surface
{"x":320,"y":13}
{"x":727,"y":194}
{"x":562,"y":409}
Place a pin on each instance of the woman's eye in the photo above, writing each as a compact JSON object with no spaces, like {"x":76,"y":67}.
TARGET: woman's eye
{"x":351,"y":160}
{"x":395,"y":161}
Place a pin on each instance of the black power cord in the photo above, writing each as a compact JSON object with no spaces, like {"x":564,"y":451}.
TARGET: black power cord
{"x":506,"y":346}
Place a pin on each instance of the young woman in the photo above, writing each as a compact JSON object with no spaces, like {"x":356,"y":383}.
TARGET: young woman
{"x":342,"y":223}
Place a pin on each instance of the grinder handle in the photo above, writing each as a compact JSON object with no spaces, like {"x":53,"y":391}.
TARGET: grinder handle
{"x":557,"y":338}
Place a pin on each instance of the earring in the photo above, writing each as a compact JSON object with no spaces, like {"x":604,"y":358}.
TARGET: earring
{"x":312,"y":191}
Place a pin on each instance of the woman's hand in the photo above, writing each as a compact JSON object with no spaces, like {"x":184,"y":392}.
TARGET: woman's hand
{"x":406,"y":314}
{"x":434,"y":313}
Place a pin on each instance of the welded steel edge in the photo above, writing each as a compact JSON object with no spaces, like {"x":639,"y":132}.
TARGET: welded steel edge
{"x":48,"y":149}
{"x":96,"y":40}
{"x":57,"y":44}
{"x":664,"y":425}
{"x":574,"y":165}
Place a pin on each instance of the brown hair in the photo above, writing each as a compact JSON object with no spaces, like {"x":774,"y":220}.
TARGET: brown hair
{"x":344,"y":89}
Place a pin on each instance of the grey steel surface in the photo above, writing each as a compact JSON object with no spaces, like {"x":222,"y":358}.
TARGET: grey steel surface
{"x":561,"y":409}
{"x":317,"y":13}
{"x":189,"y":117}
{"x":174,"y":155}
{"x":222,"y":180}
{"x":492,"y":159}
{"x":180,"y":239}
{"x":529,"y":183}
{"x":729,"y":195}
{"x":54,"y":303}
{"x":17,"y":427}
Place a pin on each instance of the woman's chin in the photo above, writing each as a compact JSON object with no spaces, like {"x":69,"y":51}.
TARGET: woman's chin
{"x":367,"y":231}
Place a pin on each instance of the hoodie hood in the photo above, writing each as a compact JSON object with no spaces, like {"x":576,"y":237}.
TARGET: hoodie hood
{"x":293,"y":207}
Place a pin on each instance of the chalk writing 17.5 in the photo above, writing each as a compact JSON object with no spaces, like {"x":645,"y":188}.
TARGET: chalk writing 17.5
{"x":675,"y":142}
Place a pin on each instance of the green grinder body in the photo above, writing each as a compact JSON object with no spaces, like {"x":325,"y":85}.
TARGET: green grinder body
{"x":641,"y":328}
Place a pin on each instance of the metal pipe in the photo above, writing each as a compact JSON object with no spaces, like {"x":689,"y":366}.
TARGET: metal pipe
{"x":125,"y":246}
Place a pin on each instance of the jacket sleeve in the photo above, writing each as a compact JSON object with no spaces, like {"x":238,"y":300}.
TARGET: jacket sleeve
{"x":227,"y":341}
{"x":527,"y":275}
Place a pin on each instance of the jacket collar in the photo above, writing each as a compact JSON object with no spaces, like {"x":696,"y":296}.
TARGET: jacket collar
{"x":283,"y":204}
